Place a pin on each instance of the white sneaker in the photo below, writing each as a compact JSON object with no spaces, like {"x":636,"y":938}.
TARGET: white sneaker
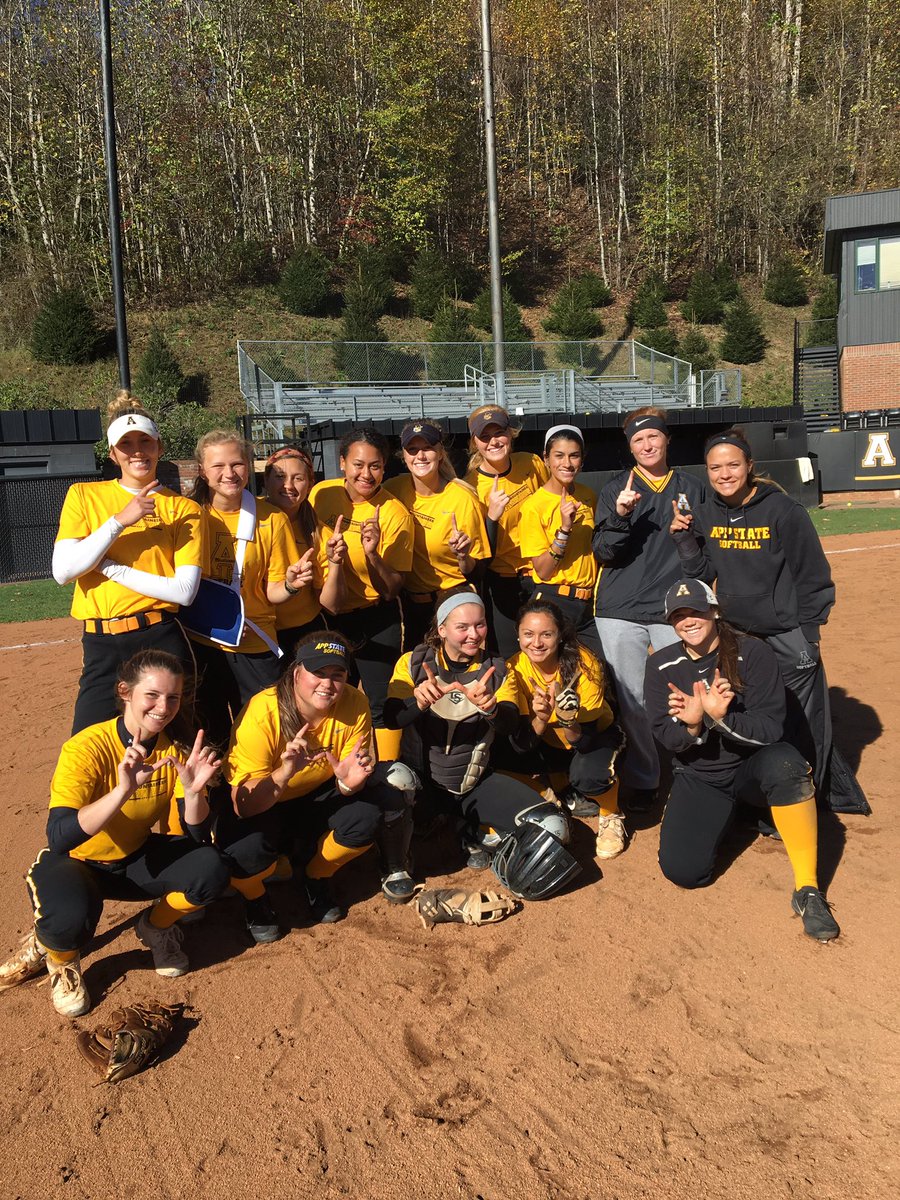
{"x":67,"y":991}
{"x":165,"y":945}
{"x":27,"y":962}
{"x":610,"y":836}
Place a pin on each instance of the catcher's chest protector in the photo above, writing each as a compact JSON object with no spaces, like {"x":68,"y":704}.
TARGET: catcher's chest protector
{"x":452,"y":739}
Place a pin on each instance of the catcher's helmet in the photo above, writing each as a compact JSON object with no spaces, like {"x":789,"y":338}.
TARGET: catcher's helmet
{"x":533,"y":864}
{"x":549,"y":816}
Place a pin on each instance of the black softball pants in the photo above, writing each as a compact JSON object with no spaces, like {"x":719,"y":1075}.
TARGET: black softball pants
{"x":699,"y":811}
{"x":808,"y":722}
{"x":504,"y":595}
{"x":496,"y":800}
{"x":103,"y":654}
{"x":375,"y":635}
{"x":252,"y":844}
{"x":226,"y":683}
{"x":67,"y":893}
{"x":592,"y":771}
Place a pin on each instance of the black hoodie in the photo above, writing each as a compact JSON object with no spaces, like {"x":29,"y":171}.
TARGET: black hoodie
{"x":765,"y":556}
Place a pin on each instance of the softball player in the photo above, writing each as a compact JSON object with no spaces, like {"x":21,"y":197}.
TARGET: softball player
{"x":566,"y":730}
{"x":503,"y":480}
{"x":449,"y":536}
{"x":366,"y":540}
{"x":133,"y":550}
{"x":638,"y":564}
{"x":716,"y":702}
{"x":249,"y":549}
{"x":556,"y":528}
{"x":301,"y":767}
{"x":113,"y":782}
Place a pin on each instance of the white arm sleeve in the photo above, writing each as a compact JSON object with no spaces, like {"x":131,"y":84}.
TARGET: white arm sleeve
{"x":73,"y":557}
{"x":181,"y":588}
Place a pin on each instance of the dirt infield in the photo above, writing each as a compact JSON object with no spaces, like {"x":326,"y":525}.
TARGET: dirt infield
{"x":624,"y":1040}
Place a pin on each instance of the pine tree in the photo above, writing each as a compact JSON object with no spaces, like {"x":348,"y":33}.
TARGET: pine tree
{"x":646,"y":309}
{"x":695,"y":349}
{"x":572,"y":317}
{"x":786,"y":284}
{"x":662,"y":339}
{"x":514,"y":328}
{"x":480,"y":313}
{"x":455,"y":346}
{"x":65,"y":330}
{"x":359,"y":323}
{"x":723,"y":277}
{"x":159,"y":379}
{"x":371,"y":267}
{"x":702,"y":303}
{"x":305,"y":284}
{"x":595,"y":292}
{"x":431,"y":281}
{"x":822,"y":331}
{"x":744,"y":340}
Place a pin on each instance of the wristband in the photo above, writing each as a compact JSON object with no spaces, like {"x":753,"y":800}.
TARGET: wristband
{"x":561,"y":534}
{"x":554,"y":555}
{"x":566,"y":724}
{"x":291,"y":591}
{"x":342,"y":788}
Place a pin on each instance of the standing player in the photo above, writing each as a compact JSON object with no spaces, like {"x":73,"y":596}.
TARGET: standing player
{"x":113,"y":782}
{"x":133,"y":550}
{"x":556,"y":528}
{"x":449,"y":538}
{"x":638,"y":564}
{"x":503,"y":480}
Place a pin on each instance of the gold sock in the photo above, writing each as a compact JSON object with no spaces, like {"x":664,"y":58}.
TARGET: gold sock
{"x":609,"y":801}
{"x":387,"y":743}
{"x":170,"y":909}
{"x":798,"y":826}
{"x":253,"y":887}
{"x":331,"y":856}
{"x":61,"y":956}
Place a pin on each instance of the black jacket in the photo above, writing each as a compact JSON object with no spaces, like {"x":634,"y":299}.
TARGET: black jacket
{"x":638,"y":560}
{"x":770,"y":571}
{"x":754,"y":719}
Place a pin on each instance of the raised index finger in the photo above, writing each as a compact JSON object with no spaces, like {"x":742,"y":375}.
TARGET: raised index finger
{"x":429,"y":674}
{"x":488,"y":673}
{"x":148,"y":488}
{"x":338,"y":525}
{"x":629,"y":486}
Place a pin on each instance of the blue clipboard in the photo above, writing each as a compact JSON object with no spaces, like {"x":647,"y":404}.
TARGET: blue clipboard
{"x":217,"y":613}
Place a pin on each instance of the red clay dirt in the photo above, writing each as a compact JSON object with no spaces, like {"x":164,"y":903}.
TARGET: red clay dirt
{"x":624,"y":1040}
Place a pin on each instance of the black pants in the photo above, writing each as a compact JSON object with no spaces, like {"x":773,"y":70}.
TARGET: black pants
{"x":591,"y":770}
{"x":226,"y":683}
{"x":699,"y":811}
{"x":504,"y":595}
{"x":67,"y":894}
{"x":252,"y":844}
{"x":579,"y":612}
{"x":375,"y":637}
{"x":104,"y":653}
{"x":288,"y":638}
{"x":808,"y":722}
{"x":496,"y":800}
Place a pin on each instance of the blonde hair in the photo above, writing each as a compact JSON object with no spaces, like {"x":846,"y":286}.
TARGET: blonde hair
{"x":216,"y":437}
{"x":126,"y":404}
{"x":475,"y":456}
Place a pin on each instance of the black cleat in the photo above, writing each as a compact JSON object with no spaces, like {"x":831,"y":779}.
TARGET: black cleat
{"x":323,"y":906}
{"x":579,"y":806}
{"x":815,"y":911}
{"x":398,"y":887}
{"x":638,"y":800}
{"x":262,"y":921}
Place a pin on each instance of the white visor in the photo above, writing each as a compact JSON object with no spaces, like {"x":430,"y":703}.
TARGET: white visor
{"x":129,"y":423}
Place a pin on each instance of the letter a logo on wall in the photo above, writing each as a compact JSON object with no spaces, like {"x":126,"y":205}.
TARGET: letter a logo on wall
{"x":878,"y":453}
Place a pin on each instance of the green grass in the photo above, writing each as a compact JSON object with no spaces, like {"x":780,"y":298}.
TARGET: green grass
{"x":37,"y":600}
{"x":853,"y":519}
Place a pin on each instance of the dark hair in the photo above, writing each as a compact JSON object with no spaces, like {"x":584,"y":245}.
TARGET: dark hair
{"x":432,"y":638}
{"x":132,"y":671}
{"x":289,"y":717}
{"x":368,"y":435}
{"x":569,"y":649}
{"x":736,"y":437}
{"x":306,"y":517}
{"x":567,"y":434}
{"x":729,"y":651}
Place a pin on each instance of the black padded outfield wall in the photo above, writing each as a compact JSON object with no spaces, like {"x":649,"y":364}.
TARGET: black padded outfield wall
{"x":858,"y":460}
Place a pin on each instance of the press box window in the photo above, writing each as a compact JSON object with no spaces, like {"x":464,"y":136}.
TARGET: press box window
{"x":878,"y":264}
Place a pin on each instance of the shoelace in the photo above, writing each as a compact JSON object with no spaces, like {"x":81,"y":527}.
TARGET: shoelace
{"x":66,"y":979}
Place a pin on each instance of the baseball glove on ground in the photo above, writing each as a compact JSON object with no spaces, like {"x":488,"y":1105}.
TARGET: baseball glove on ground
{"x":475,"y":908}
{"x":130,"y":1041}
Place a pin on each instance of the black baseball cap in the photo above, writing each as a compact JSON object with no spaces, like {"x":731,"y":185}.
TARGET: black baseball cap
{"x":488,"y":416}
{"x":690,"y":593}
{"x":321,"y":653}
{"x":432,"y":433}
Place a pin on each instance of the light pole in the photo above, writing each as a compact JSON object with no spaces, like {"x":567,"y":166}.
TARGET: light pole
{"x":112,"y":190}
{"x":490,"y":148}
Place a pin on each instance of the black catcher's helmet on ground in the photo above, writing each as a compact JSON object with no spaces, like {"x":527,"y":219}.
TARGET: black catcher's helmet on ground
{"x":533,"y":864}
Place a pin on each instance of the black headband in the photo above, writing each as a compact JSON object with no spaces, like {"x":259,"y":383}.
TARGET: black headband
{"x":638,"y":424}
{"x":728,"y":439}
